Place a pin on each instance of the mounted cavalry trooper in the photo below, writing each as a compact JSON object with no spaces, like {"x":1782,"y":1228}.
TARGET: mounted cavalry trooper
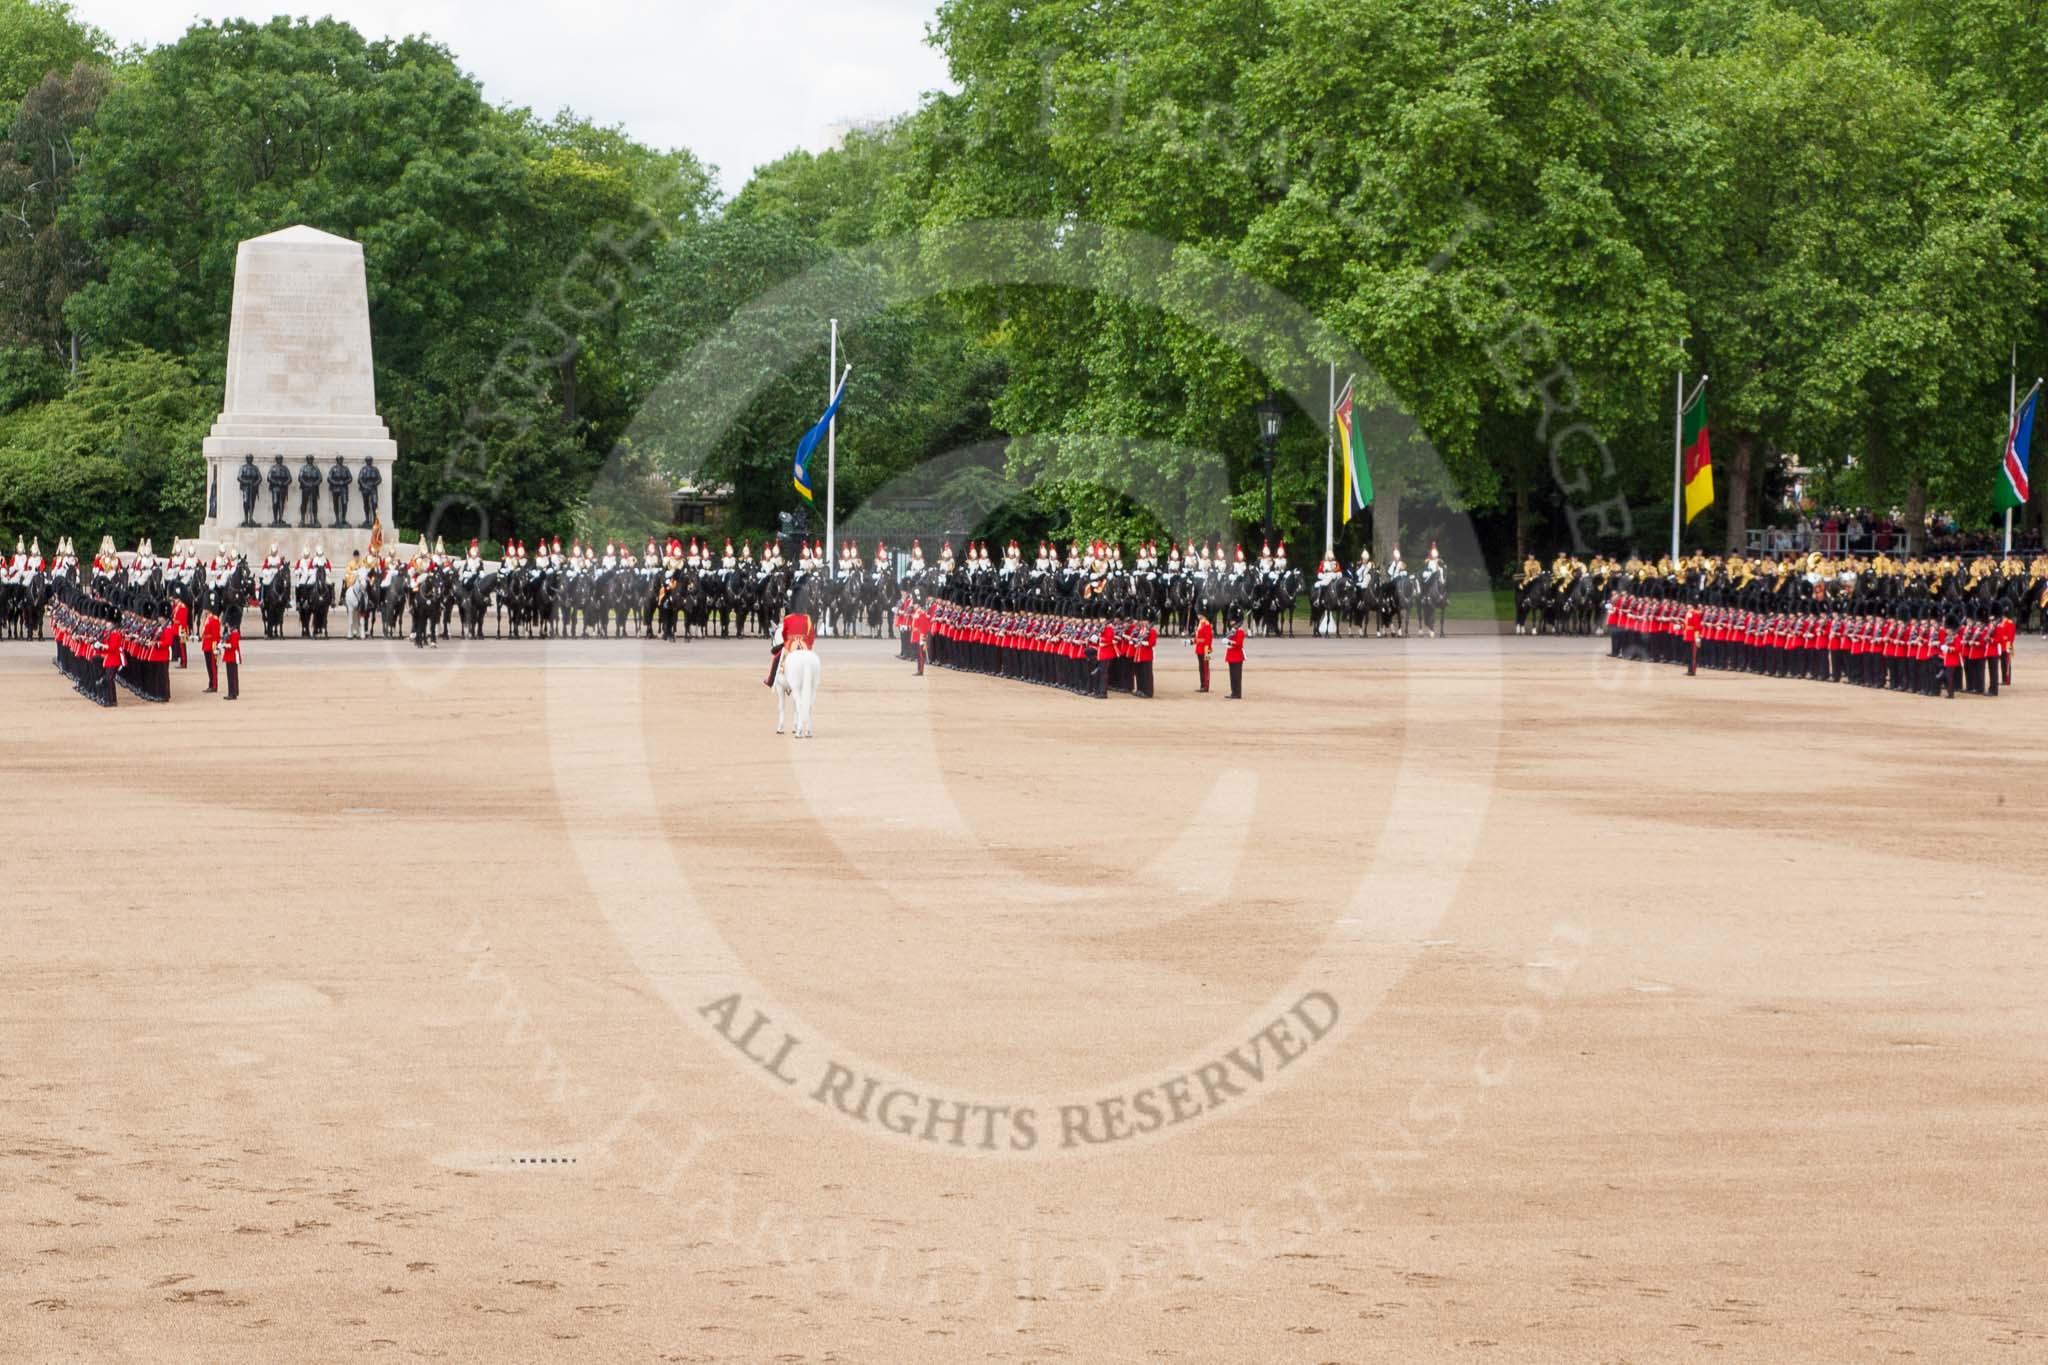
{"x":729,"y":561}
{"x":473,"y":563}
{"x":1237,"y":564}
{"x":1433,"y":567}
{"x":302,"y":570}
{"x":1328,"y":571}
{"x":1396,"y":570}
{"x":1265,"y":556}
{"x":946,"y":559}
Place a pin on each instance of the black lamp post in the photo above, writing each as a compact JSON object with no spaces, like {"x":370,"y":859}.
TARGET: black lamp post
{"x":1270,"y":414}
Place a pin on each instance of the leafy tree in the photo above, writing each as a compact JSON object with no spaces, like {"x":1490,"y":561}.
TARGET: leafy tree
{"x":42,"y":37}
{"x":1844,"y":260}
{"x":43,"y":261}
{"x":117,"y":455}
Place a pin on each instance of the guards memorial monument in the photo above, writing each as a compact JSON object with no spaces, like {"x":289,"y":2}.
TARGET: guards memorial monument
{"x":298,"y":455}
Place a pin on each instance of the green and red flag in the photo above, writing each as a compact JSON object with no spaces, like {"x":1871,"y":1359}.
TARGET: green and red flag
{"x":1698,"y":459}
{"x":1357,"y":475}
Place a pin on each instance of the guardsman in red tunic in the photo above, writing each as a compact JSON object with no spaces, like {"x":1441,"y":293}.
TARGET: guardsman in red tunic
{"x":1233,"y":655}
{"x":1952,"y":659}
{"x":1693,"y":620}
{"x":920,"y":631}
{"x":798,"y":631}
{"x":1204,"y":641}
{"x":181,"y":621}
{"x":231,"y":660}
{"x":1105,"y":654}
{"x":209,"y":649}
{"x":110,"y":656}
{"x":1148,"y":641}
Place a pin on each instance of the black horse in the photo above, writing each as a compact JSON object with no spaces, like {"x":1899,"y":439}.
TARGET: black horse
{"x":430,"y":592}
{"x":473,"y":594}
{"x":274,"y":598}
{"x":228,"y":596}
{"x":313,"y":598}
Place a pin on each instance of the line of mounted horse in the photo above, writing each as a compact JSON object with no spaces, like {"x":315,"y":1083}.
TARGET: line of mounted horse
{"x":1387,"y":603}
{"x":1549,"y":605}
{"x":450,"y":600}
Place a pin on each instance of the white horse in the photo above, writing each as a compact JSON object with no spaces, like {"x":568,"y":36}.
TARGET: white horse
{"x":357,"y":601}
{"x":798,"y":680}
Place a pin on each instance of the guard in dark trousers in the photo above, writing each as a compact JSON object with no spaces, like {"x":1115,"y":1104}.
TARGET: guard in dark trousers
{"x":1233,"y":654}
{"x":209,"y":649}
{"x":181,"y":623}
{"x":110,"y":655}
{"x":1204,"y":641}
{"x":231,"y":660}
{"x":1105,"y":654}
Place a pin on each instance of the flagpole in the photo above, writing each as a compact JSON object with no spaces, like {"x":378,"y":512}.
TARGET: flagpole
{"x":831,"y":457}
{"x":1677,"y":460}
{"x":2012,"y":416}
{"x":1330,"y":473}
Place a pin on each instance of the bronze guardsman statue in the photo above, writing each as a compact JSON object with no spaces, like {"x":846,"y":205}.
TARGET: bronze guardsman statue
{"x":250,"y":478}
{"x":368,"y":481}
{"x":338,"y":481}
{"x":309,"y":494}
{"x":280,"y":482}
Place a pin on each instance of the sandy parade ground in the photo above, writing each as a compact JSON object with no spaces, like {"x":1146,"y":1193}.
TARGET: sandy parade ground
{"x":1480,"y":998}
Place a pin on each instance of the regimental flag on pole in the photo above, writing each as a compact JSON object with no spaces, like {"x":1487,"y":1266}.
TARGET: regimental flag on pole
{"x":1697,"y":458}
{"x":2012,"y":475}
{"x":809,"y":444}
{"x":1351,"y":444}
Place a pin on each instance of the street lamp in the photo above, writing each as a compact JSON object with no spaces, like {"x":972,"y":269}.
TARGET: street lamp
{"x":1270,"y":415}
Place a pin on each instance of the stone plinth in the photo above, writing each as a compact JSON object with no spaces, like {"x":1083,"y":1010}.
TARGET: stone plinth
{"x":299,"y":383}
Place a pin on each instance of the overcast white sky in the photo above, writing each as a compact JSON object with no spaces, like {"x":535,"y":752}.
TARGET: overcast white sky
{"x":737,"y":83}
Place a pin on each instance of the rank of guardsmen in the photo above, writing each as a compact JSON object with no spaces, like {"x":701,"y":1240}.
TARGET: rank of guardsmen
{"x":1935,"y":627}
{"x":1091,"y":657}
{"x":1571,"y":595}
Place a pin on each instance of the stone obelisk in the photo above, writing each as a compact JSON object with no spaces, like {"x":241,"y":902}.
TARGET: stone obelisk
{"x":299,"y":383}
